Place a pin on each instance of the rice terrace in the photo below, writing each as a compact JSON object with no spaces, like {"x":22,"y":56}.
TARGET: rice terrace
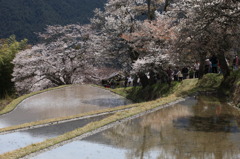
{"x":120,"y":79}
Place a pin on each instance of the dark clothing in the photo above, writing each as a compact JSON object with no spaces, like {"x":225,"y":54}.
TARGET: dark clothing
{"x":196,"y":74}
{"x":169,"y":73}
{"x":214,"y":62}
{"x":125,"y":81}
{"x":185,"y":72}
{"x":207,"y":69}
{"x":214,"y":69}
{"x":191,"y":74}
{"x":175,"y":76}
{"x":235,"y":63}
{"x":135,"y":81}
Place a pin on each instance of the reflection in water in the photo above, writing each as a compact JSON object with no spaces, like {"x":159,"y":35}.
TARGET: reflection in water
{"x":62,"y":102}
{"x":210,"y":116}
{"x":106,"y":102}
{"x":12,"y":141}
{"x":197,"y":131}
{"x":208,"y":124}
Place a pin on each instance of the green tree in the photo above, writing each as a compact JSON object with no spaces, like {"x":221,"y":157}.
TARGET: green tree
{"x":8,"y":49}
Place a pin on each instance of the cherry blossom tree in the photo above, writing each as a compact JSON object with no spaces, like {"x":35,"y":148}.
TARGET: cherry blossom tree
{"x":119,"y":17}
{"x":126,"y":37}
{"x":209,"y":27}
{"x":117,"y":39}
{"x":64,"y":58}
{"x":153,"y":43}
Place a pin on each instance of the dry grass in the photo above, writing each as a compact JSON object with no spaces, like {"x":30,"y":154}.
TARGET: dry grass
{"x":186,"y":87}
{"x":5,"y":101}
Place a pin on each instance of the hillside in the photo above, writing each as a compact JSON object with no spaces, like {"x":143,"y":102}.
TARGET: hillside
{"x":25,"y":17}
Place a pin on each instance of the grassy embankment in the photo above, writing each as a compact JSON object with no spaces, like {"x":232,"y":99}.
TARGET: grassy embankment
{"x":5,"y":101}
{"x":231,"y":87}
{"x":208,"y":83}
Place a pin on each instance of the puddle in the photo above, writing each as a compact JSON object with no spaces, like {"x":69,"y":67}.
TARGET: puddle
{"x":12,"y":141}
{"x":62,"y":102}
{"x":194,"y":129}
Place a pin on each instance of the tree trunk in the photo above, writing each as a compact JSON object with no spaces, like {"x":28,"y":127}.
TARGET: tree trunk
{"x":223,"y":65}
{"x":152,"y":78}
{"x":133,"y":54}
{"x":143,"y":79}
{"x":150,"y":16}
{"x":166,"y":5}
{"x":202,"y":64}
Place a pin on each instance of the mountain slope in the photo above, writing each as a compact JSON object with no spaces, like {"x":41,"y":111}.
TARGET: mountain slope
{"x":24,"y":17}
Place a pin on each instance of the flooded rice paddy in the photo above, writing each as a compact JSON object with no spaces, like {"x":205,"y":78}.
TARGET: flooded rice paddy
{"x":61,"y":102}
{"x":12,"y":141}
{"x":205,"y":128}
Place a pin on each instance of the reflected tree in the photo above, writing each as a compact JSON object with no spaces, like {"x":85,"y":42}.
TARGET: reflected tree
{"x":157,"y":132}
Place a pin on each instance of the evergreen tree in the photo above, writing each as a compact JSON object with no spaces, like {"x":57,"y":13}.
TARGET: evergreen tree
{"x":8,"y":49}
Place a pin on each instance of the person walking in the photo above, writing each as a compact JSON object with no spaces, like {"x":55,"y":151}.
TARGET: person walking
{"x":196,"y":69}
{"x":208,"y":66}
{"x":185,"y":72}
{"x":130,"y":81}
{"x":235,"y":63}
{"x":180,"y":75}
{"x":175,"y":76}
{"x":191,"y":72}
{"x":214,"y":62}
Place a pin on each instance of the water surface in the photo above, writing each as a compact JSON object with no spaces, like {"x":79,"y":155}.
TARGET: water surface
{"x":13,"y":141}
{"x":62,"y":102}
{"x":205,"y":128}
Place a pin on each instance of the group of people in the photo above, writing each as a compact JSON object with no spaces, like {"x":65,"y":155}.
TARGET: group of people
{"x":131,"y":81}
{"x":128,"y":80}
{"x":179,"y":74}
{"x":212,"y":65}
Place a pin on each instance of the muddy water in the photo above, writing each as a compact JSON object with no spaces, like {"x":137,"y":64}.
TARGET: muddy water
{"x":61,"y":102}
{"x":21,"y":139}
{"x":196,"y":129}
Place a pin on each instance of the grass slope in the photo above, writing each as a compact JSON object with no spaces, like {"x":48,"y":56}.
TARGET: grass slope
{"x":139,"y":94}
{"x":209,"y":82}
